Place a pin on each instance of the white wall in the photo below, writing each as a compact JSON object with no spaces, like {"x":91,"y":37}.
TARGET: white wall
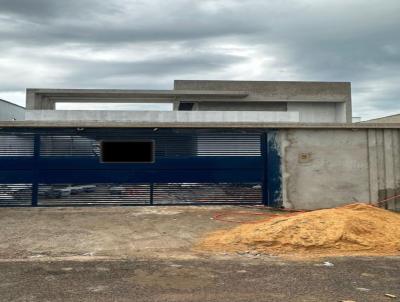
{"x":318,"y":112}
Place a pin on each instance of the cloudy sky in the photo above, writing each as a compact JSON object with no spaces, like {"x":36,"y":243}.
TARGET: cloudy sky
{"x":149,"y":43}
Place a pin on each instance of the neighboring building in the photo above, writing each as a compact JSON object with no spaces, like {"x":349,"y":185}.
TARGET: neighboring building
{"x":207,"y":101}
{"x":395,"y":118}
{"x":10,"y":111}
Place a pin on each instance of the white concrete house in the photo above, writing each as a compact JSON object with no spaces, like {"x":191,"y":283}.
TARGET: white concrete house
{"x":205,"y":101}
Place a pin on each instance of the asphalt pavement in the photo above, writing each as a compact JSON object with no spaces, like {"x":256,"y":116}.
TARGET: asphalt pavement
{"x":355,"y":279}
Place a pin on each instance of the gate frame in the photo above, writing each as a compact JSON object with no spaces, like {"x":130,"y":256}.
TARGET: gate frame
{"x":270,"y":152}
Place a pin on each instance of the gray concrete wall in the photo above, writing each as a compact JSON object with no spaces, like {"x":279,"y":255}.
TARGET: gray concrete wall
{"x":342,"y":115}
{"x":309,"y":112}
{"x":46,"y":99}
{"x":163,"y":116}
{"x":384,"y":164}
{"x":330,"y":167}
{"x":315,"y":101}
{"x":272,"y":90}
{"x":10,"y":112}
{"x":300,"y":96}
{"x":243,"y":106}
{"x":315,"y":112}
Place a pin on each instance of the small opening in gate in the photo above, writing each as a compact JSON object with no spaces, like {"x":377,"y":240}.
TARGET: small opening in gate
{"x":127,"y":151}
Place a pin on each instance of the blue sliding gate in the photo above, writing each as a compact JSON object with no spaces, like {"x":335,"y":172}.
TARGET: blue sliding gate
{"x":62,"y":167}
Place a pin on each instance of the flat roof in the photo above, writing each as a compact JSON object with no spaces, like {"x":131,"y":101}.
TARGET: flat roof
{"x":127,"y":95}
{"x":162,"y":96}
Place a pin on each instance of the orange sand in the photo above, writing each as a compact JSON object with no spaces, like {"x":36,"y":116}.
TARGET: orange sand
{"x":355,"y":229}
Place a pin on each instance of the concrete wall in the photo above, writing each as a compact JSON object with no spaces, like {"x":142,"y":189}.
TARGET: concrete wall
{"x":10,"y":112}
{"x":273,"y":90}
{"x":308,"y":112}
{"x":384,"y":164}
{"x":330,"y":167}
{"x":315,"y":101}
{"x":315,"y":112}
{"x":243,"y":106}
{"x":163,"y":116}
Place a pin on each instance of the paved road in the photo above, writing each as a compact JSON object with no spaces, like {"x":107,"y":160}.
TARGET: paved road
{"x":243,"y":279}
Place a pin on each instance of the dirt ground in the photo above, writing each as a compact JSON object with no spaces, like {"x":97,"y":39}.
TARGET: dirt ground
{"x":106,"y":232}
{"x":145,"y":254}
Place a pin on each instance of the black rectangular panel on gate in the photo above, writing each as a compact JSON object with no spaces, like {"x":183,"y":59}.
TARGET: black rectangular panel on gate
{"x":127,"y":151}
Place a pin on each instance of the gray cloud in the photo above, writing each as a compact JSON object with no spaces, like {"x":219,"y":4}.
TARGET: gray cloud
{"x":134,"y":44}
{"x":44,"y":10}
{"x":156,"y":67}
{"x":86,"y":22}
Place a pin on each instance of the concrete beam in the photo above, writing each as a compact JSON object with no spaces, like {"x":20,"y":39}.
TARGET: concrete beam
{"x":42,"y":98}
{"x":163,"y":116}
{"x":46,"y":98}
{"x":276,"y":90}
{"x":124,"y":124}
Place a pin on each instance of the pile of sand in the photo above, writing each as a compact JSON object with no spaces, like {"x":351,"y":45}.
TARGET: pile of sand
{"x":356,"y":229}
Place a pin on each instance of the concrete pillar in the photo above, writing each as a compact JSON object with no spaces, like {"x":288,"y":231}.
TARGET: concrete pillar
{"x":38,"y":102}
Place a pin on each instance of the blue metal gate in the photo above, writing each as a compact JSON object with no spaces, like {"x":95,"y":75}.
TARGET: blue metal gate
{"x":62,"y":167}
